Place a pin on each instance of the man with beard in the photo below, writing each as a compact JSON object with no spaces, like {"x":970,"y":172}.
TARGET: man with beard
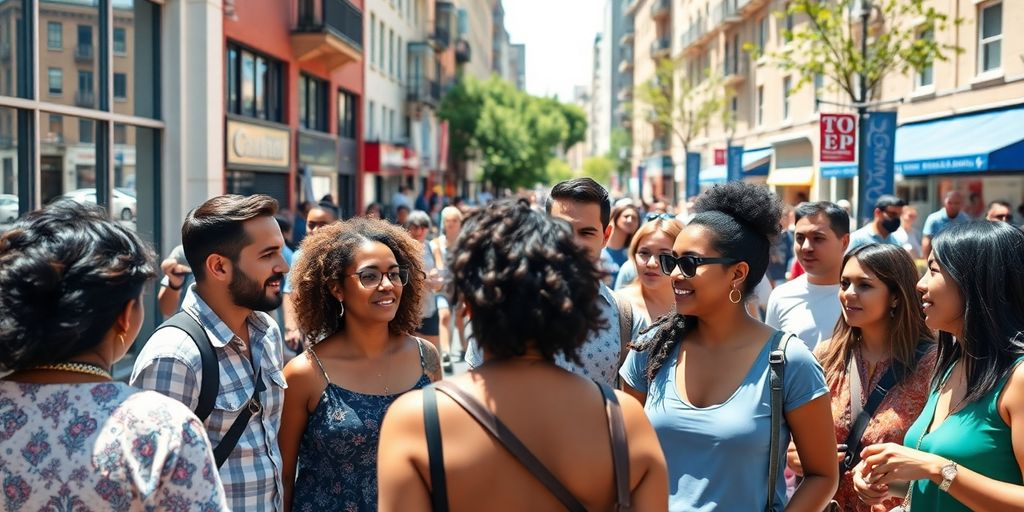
{"x":233,"y":246}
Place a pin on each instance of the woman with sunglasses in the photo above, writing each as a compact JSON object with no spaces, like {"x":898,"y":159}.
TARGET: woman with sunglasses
{"x":357,"y":299}
{"x":703,"y":373}
{"x":651,"y":293}
{"x":966,"y":449}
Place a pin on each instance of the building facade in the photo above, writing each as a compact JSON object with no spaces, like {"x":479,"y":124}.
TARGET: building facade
{"x":653,"y":172}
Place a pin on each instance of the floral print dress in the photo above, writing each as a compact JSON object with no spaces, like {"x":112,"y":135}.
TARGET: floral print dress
{"x":102,"y":447}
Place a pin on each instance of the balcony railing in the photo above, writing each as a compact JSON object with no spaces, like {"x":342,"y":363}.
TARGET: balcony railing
{"x":627,"y":36}
{"x":661,"y":8}
{"x":83,"y":53}
{"x":424,"y":91}
{"x":660,"y":46}
{"x":86,"y":99}
{"x":735,"y":69}
{"x":339,"y":17}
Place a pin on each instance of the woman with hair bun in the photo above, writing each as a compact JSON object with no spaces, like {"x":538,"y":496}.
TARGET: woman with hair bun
{"x":71,"y":285}
{"x":703,"y":372}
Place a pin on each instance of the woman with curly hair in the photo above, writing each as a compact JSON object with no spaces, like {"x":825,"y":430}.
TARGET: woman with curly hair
{"x":651,"y":293}
{"x":357,"y":296}
{"x":531,"y":293}
{"x":71,"y":284}
{"x":704,"y":372}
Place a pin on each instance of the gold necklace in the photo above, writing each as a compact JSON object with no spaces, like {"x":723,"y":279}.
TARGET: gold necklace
{"x":76,"y":367}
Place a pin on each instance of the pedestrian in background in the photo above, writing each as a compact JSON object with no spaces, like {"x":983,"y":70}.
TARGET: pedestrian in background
{"x":908,"y":236}
{"x":418,"y":227}
{"x":625,"y":220}
{"x":451,"y":319}
{"x":357,"y":304}
{"x":999,"y":211}
{"x":71,"y":305}
{"x":882,"y":355}
{"x":886,"y":220}
{"x":534,"y":294}
{"x":950,"y":213}
{"x":808,"y":305}
{"x":319,"y":216}
{"x":233,"y":245}
{"x":651,"y":293}
{"x":703,"y":373}
{"x":964,"y":451}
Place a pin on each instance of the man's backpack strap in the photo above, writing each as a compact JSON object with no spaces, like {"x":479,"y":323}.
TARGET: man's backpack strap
{"x":625,"y":328}
{"x":211,"y":369}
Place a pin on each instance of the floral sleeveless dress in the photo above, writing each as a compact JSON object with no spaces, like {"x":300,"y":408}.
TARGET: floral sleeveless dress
{"x":337,"y":467}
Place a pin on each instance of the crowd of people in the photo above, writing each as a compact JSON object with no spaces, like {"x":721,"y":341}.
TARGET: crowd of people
{"x":621,"y":357}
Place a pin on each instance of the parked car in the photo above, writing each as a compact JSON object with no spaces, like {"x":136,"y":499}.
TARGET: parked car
{"x":8,"y":208}
{"x":121,"y":203}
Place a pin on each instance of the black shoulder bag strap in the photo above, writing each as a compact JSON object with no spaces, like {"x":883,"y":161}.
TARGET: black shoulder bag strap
{"x":211,"y":370}
{"x":501,"y":433}
{"x":776,"y":375}
{"x":253,"y":406}
{"x":860,"y":424}
{"x":435,"y":451}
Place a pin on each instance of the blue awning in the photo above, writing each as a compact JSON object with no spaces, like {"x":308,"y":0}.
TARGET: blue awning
{"x":757,"y":161}
{"x":713,"y":175}
{"x":989,"y":141}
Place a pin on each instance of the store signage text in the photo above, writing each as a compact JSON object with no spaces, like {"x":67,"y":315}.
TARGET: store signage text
{"x":251,"y":144}
{"x":838,"y":137}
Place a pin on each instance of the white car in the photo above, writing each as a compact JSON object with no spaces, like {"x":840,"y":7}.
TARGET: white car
{"x":8,"y":208}
{"x":121,"y":203}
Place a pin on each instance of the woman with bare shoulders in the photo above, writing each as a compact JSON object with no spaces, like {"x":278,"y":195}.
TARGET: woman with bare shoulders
{"x":651,"y":294}
{"x":531,"y":293}
{"x":357,"y":297}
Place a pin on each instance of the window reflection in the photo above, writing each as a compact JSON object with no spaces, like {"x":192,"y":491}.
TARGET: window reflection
{"x":8,"y":166}
{"x":68,"y":52}
{"x":133,"y":57}
{"x":67,"y":158}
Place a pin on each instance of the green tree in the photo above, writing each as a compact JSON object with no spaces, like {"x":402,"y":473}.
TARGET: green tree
{"x":829,"y":44}
{"x":681,"y":107}
{"x":557,"y":170}
{"x":619,"y":150}
{"x":600,"y":168}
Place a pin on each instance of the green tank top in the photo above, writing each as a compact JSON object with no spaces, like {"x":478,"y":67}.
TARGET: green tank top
{"x":975,"y":437}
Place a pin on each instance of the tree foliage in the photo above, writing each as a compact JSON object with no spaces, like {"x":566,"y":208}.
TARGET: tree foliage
{"x":600,"y":168}
{"x":514,"y":135}
{"x":682,"y":106}
{"x":557,"y":170}
{"x":829,"y":44}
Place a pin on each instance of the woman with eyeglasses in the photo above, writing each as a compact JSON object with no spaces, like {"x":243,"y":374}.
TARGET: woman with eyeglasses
{"x":965,"y":452}
{"x":72,"y":437}
{"x":651,"y":293}
{"x":703,"y":373}
{"x":358,"y":300}
{"x":625,"y":219}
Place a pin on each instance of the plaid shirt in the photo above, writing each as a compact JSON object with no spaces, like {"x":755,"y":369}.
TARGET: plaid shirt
{"x":170,"y":363}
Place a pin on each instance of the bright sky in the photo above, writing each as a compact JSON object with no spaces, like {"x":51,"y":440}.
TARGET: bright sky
{"x":559,"y":38}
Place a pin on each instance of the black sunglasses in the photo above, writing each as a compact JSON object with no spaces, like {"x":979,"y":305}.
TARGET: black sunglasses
{"x":655,"y":216}
{"x":688,"y":264}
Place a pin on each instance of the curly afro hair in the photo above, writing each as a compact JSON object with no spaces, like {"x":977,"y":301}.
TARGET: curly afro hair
{"x":67,"y":271}
{"x":526,"y":282}
{"x":325,"y":256}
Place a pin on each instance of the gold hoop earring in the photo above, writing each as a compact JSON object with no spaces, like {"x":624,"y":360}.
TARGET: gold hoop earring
{"x":341,"y":305}
{"x":739,"y":296}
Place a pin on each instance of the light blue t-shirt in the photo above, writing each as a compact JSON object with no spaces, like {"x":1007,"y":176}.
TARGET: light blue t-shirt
{"x":866,"y":235}
{"x":718,"y":456}
{"x":937,"y":222}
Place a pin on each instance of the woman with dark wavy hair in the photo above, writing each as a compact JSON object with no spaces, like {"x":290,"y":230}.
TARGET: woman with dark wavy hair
{"x":703,"y":373}
{"x":71,"y":284}
{"x":966,"y":449}
{"x":357,"y":293}
{"x":531,"y":293}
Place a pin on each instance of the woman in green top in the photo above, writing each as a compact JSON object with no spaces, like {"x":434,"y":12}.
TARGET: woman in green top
{"x":966,"y":450}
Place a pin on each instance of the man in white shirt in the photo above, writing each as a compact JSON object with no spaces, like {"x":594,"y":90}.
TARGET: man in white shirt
{"x":808,"y":306}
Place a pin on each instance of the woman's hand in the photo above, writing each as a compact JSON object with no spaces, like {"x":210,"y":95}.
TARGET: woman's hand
{"x":872,"y":494}
{"x":891,"y":462}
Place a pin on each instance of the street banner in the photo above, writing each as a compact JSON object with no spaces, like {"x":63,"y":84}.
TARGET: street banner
{"x":692,"y":175}
{"x":719,"y":157}
{"x":878,"y":171}
{"x":734,"y":164}
{"x":442,"y":146}
{"x":838,"y":137}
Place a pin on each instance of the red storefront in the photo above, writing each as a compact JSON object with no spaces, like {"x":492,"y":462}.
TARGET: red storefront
{"x":293,"y":86}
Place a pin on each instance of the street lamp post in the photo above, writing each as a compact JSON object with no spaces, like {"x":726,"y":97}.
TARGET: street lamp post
{"x":862,"y":108}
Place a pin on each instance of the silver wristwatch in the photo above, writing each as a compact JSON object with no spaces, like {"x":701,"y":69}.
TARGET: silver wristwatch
{"x":948,"y":475}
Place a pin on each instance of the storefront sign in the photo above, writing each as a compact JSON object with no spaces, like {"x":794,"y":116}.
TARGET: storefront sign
{"x":719,"y":157}
{"x":734,"y":163}
{"x":692,"y":175}
{"x":879,"y":171}
{"x":318,"y":150}
{"x":838,"y":137}
{"x":257,"y":145}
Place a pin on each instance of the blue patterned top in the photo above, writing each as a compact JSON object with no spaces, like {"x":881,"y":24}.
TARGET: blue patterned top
{"x":337,"y":467}
{"x":106,"y":446}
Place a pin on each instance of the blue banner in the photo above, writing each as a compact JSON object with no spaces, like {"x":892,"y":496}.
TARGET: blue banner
{"x":878,"y":171}
{"x":734,"y":163}
{"x":692,"y":175}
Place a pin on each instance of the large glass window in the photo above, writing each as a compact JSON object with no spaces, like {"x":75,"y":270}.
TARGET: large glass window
{"x":312,"y":103}
{"x":254,"y":84}
{"x":9,"y":197}
{"x":55,"y":81}
{"x":373,"y":39}
{"x":85,"y":95}
{"x":787,"y":86}
{"x":136,"y":45}
{"x":54,"y":35}
{"x":924,"y":76}
{"x":68,"y":166}
{"x":120,"y":41}
{"x":346,"y":115}
{"x":990,"y":37}
{"x":11,"y":59}
{"x":120,"y":86}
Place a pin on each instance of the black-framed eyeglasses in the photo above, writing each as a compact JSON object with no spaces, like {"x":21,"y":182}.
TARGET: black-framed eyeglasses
{"x":373,"y":278}
{"x":655,"y":216}
{"x":688,"y":264}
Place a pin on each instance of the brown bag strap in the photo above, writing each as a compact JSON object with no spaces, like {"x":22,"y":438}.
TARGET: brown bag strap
{"x":625,"y":330}
{"x":501,"y":432}
{"x":620,"y":448}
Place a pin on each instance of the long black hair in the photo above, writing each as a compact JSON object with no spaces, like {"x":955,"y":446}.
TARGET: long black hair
{"x":745,"y":221}
{"x":986,"y":261}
